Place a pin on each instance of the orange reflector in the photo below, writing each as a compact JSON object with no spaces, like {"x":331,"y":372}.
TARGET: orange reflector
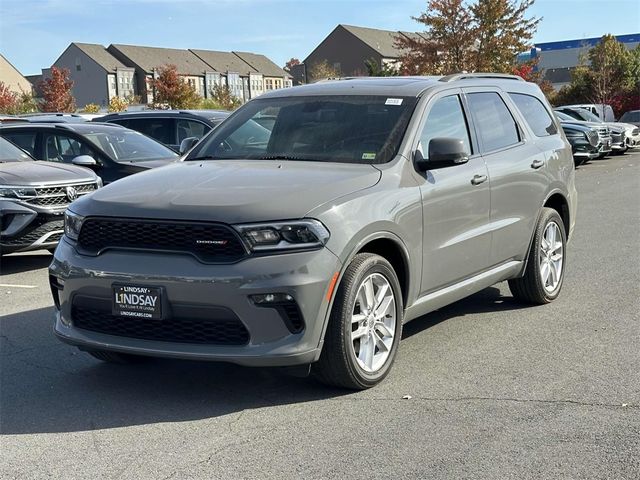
{"x":332,"y":285}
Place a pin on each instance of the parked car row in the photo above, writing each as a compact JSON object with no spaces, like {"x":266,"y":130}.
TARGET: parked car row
{"x":590,"y":137}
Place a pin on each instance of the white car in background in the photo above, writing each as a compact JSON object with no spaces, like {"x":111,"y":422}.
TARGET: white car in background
{"x":602,"y":111}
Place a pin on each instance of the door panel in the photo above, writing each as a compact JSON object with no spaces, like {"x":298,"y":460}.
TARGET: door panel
{"x":457,"y":239}
{"x":456,"y":202}
{"x":516,"y":166}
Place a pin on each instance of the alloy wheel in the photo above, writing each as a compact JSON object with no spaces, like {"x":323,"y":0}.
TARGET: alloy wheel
{"x":373,"y":322}
{"x":551,"y":257}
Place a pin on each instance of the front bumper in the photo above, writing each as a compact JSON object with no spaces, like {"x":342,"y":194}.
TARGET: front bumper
{"x":633,"y":141}
{"x":26,"y":228}
{"x":185,"y":281}
{"x":604,"y":146}
{"x":618,"y":142}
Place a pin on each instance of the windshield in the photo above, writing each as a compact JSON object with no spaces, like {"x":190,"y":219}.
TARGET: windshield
{"x":128,"y":146}
{"x":345,"y":129}
{"x":10,"y":153}
{"x":564,"y":117}
{"x":588,"y":116}
{"x":631,"y":116}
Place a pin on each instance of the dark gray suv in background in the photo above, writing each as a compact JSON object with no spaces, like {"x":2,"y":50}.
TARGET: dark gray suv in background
{"x":368,"y":203}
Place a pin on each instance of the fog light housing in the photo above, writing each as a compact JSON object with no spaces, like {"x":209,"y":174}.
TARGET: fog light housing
{"x":271,"y":298}
{"x":286,"y":307}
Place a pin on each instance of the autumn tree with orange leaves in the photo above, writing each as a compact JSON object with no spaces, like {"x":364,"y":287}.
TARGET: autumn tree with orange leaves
{"x":483,"y":36}
{"x":56,"y":92}
{"x":171,"y":89}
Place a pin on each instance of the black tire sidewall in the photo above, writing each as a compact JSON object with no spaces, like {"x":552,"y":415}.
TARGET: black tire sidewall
{"x":549,"y":215}
{"x":374,"y":264}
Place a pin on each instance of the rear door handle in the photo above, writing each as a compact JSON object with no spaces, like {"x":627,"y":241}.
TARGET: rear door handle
{"x":537,"y":164}
{"x":478,"y":179}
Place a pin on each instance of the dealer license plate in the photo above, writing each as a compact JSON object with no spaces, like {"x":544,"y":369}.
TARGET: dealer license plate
{"x":136,"y":301}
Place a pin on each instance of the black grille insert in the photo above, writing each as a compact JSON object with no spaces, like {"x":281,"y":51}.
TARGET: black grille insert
{"x":218,"y":331}
{"x":211,"y":243}
{"x":35,"y":234}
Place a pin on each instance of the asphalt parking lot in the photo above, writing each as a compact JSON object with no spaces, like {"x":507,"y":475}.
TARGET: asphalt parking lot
{"x":497,"y":389}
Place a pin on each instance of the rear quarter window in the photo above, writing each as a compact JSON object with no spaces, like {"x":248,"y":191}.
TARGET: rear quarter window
{"x":535,"y":114}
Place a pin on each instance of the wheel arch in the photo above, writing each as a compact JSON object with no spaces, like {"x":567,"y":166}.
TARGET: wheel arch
{"x":556,"y":200}
{"x":383,"y":243}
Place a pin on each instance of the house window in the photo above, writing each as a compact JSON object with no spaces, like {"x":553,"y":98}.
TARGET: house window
{"x":78,"y":65}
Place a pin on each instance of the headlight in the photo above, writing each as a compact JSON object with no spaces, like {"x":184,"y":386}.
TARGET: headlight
{"x":11,"y":191}
{"x":72,"y":224}
{"x":288,"y":235}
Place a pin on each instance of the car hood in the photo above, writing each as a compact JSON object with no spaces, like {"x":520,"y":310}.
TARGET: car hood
{"x":626,"y":126}
{"x":38,"y":173}
{"x":614,"y":127}
{"x":151,"y":163}
{"x":229,"y":191}
{"x":583,"y":123}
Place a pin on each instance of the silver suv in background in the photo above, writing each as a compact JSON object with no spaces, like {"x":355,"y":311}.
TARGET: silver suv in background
{"x":33,"y":197}
{"x":367,"y":203}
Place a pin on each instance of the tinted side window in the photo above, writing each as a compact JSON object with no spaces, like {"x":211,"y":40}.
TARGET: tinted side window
{"x":191,"y":128}
{"x":535,"y":114}
{"x":162,"y":129}
{"x":445,"y":119}
{"x":494,"y":122}
{"x":25,"y":140}
{"x":61,"y":148}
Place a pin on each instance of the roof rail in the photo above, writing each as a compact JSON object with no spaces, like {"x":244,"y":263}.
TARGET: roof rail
{"x":465,"y":76}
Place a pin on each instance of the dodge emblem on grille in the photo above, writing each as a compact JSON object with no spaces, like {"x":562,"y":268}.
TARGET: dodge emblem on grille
{"x":72,"y":193}
{"x":212,"y":242}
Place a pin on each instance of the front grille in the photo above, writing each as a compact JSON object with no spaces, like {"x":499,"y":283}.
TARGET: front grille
{"x":603,"y":132}
{"x":592,"y":137}
{"x":635,"y":131}
{"x":57,"y":196}
{"x":37,"y":233}
{"x":228,"y":331}
{"x":210,"y":243}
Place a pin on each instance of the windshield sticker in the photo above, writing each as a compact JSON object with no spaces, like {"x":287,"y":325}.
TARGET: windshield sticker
{"x":393,"y":101}
{"x":368,"y":156}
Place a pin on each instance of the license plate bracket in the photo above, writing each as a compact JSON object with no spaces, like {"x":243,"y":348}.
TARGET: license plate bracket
{"x":137,"y":301}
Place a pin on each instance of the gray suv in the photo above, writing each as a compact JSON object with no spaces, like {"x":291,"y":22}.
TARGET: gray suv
{"x":368,"y":203}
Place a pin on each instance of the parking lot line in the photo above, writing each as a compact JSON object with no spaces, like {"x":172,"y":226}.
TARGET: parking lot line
{"x":9,"y":285}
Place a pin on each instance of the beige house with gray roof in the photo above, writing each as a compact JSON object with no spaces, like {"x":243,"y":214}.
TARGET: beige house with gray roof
{"x":147,"y":60}
{"x":101,"y":73}
{"x":12,"y":78}
{"x":274,"y":77}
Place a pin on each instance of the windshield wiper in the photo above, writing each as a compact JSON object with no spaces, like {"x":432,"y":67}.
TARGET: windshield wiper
{"x":203,"y":157}
{"x":281,"y":157}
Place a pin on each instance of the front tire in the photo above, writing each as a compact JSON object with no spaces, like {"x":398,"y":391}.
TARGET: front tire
{"x":543,"y":278}
{"x":365,"y":326}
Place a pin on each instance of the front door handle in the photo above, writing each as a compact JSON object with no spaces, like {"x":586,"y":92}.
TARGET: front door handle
{"x":478,"y":179}
{"x":537,"y":164}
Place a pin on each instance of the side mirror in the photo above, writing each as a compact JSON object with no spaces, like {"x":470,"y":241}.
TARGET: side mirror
{"x":187,"y":144}
{"x":443,"y":152}
{"x":84,"y":161}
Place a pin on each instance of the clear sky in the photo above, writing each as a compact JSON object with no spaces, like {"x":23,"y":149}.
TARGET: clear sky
{"x":33,"y":33}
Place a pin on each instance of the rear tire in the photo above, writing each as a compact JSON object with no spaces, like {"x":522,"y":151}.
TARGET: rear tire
{"x":546,"y":263}
{"x":115,"y":357}
{"x":365,"y":326}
